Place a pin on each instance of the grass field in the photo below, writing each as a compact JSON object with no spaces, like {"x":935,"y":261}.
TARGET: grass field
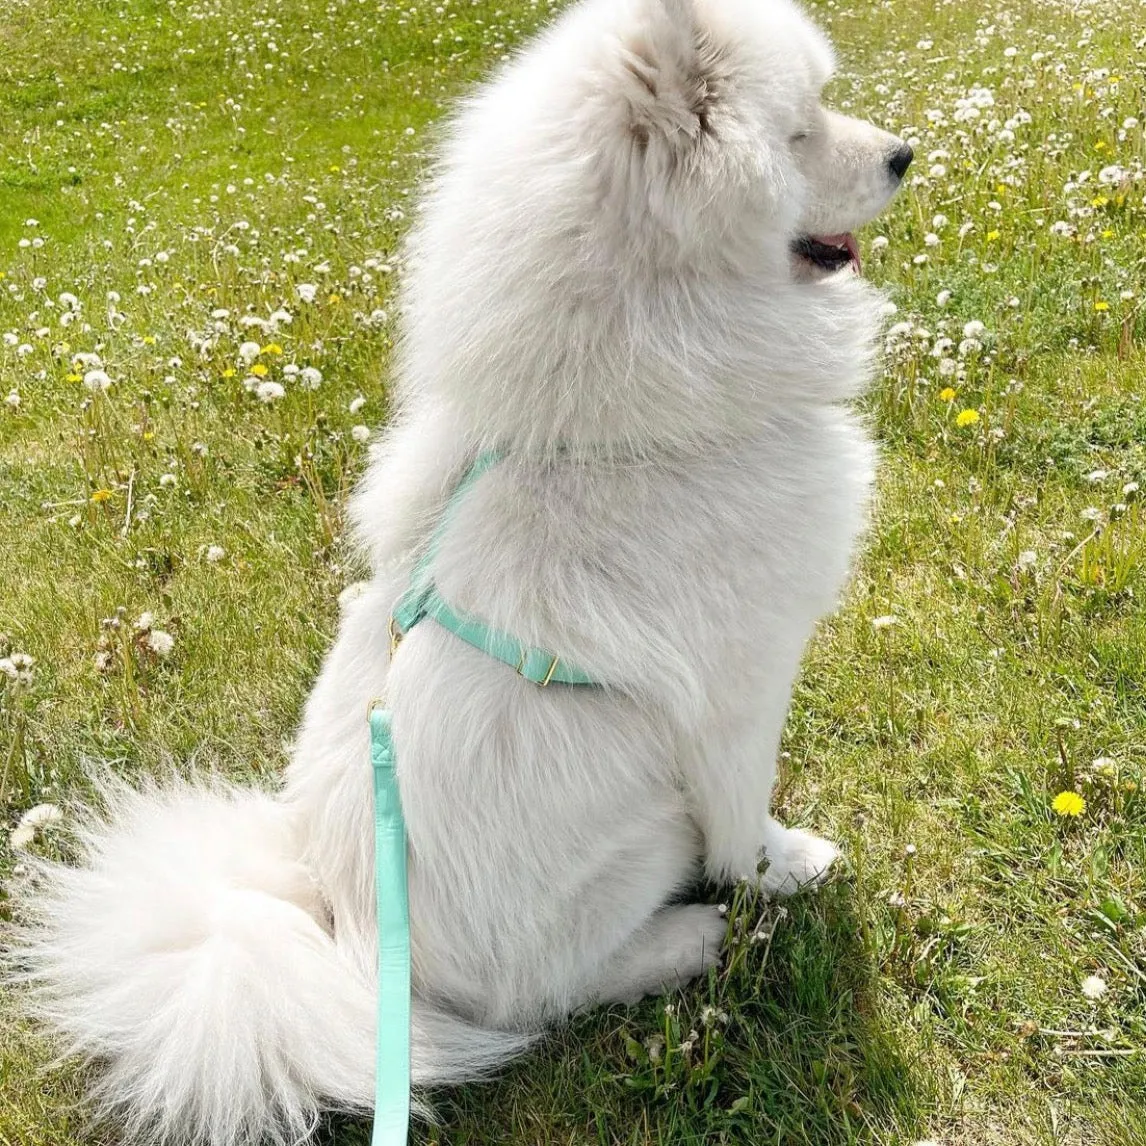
{"x":201,"y":207}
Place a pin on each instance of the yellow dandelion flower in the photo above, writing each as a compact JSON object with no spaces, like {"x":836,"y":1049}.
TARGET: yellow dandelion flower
{"x":992,"y":236}
{"x":335,"y":169}
{"x":947,"y":394}
{"x":75,"y":378}
{"x":101,"y":495}
{"x":335,"y":298}
{"x":1099,"y":201}
{"x":274,"y":348}
{"x":1068,"y":804}
{"x":149,"y":340}
{"x":148,"y":435}
{"x":1100,"y":305}
{"x":229,"y":373}
{"x":1101,"y":145}
{"x":259,"y":370}
{"x":967,"y":418}
{"x":1108,"y":234}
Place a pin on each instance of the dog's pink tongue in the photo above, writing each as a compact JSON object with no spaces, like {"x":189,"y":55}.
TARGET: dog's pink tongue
{"x":846,"y":240}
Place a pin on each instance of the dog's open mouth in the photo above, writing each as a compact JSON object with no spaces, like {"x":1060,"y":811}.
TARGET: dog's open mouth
{"x":828,"y":253}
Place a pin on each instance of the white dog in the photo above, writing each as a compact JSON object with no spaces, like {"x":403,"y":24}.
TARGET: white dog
{"x":632,"y":275}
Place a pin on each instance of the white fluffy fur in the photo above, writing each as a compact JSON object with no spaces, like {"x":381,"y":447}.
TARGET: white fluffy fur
{"x":601,"y":285}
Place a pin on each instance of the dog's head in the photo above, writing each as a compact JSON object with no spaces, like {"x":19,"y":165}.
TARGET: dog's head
{"x":716,"y":106}
{"x":640,"y":230}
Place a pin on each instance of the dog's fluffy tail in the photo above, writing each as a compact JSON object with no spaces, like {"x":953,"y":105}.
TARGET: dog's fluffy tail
{"x":188,"y":954}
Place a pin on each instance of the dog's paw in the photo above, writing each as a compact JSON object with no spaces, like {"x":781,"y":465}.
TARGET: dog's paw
{"x":696,"y":941}
{"x":796,"y":859}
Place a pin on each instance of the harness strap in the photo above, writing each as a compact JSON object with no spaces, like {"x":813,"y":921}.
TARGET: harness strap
{"x":422,"y":600}
{"x":392,"y":1053}
{"x":536,"y":665}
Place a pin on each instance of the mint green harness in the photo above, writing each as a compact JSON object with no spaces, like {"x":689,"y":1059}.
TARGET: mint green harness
{"x":421,"y":600}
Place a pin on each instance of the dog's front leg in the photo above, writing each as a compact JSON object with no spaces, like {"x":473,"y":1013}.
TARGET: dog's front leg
{"x":731,"y":771}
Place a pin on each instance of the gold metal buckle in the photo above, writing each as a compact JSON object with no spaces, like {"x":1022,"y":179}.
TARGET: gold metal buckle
{"x":396,"y":635}
{"x":545,"y":679}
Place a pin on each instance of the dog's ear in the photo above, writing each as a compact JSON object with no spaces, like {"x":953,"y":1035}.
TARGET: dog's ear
{"x":669,"y":75}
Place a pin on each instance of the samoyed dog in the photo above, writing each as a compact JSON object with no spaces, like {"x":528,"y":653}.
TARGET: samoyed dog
{"x":634,"y":276}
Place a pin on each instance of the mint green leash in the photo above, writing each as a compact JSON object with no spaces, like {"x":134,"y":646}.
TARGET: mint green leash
{"x":421,"y":600}
{"x":392,"y":1056}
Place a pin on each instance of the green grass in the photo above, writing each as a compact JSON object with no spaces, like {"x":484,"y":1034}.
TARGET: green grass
{"x":219,"y":156}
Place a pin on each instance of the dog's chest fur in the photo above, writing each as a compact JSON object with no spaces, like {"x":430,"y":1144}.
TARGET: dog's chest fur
{"x":668,"y":570}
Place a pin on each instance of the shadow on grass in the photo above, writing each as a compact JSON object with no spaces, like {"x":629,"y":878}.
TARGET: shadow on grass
{"x":788,"y":1046}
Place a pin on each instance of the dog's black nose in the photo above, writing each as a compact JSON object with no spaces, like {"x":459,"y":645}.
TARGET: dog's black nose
{"x":900,"y":160}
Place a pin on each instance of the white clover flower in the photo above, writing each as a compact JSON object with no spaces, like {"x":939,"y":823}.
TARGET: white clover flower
{"x":1115,"y":173}
{"x":160,"y":642}
{"x":360,"y":433}
{"x":1093,"y":987}
{"x":307,"y":291}
{"x":269,"y":391}
{"x":249,"y":351}
{"x":310,"y":377}
{"x":215,"y":553}
{"x":32,"y":821}
{"x":97,"y":381}
{"x":1104,"y":766}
